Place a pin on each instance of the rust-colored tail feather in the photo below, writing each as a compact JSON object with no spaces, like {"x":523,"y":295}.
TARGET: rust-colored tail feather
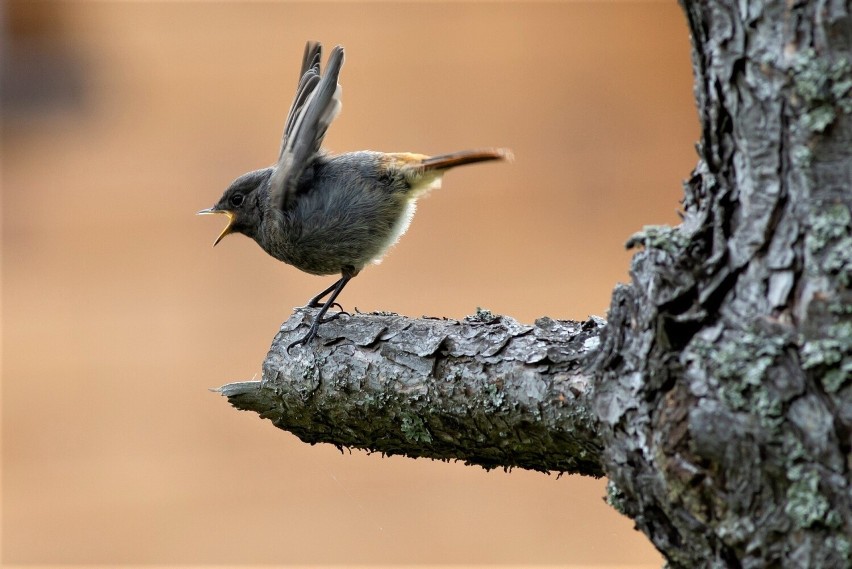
{"x":447,"y":161}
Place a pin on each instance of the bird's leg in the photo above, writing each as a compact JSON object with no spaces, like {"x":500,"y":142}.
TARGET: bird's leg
{"x":319,"y":319}
{"x":315,"y":301}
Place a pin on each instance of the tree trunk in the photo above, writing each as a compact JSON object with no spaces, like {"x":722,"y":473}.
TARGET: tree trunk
{"x":717,"y":398}
{"x":732,"y":347}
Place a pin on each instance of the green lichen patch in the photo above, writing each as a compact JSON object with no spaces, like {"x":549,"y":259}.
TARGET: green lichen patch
{"x":615,"y":497}
{"x":665,"y":237}
{"x":829,"y":242}
{"x":829,"y":222}
{"x":805,"y":505}
{"x":824,"y":87}
{"x":414,"y":429}
{"x":742,"y":363}
{"x":841,"y":545}
{"x":831,"y":355}
{"x":838,"y":260}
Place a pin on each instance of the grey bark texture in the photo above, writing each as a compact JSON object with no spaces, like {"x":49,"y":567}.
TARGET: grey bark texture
{"x":717,"y":397}
{"x":487,"y":390}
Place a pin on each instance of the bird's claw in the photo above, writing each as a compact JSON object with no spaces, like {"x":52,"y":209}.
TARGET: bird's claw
{"x":313,"y":304}
{"x":333,"y":316}
{"x":312,"y":333}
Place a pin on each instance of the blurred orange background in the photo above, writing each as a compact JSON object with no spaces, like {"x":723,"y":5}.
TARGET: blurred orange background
{"x":120,"y":120}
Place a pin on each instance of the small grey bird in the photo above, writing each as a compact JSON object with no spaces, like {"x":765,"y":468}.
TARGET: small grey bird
{"x":328,"y":214}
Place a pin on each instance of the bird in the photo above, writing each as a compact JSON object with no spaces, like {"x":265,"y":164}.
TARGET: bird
{"x":331,"y":214}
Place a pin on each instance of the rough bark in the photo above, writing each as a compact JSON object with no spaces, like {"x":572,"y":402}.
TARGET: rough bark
{"x":718,"y":400}
{"x":724,"y":391}
{"x":488,"y":391}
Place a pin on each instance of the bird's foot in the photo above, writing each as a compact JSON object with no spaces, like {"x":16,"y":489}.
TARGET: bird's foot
{"x":320,"y":318}
{"x":312,"y":332}
{"x":314,"y":303}
{"x":332,"y":316}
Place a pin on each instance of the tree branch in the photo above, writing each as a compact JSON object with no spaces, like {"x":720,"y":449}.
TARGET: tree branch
{"x":486,"y":390}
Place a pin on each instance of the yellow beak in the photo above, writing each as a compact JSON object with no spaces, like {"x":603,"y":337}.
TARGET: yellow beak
{"x":228,"y":228}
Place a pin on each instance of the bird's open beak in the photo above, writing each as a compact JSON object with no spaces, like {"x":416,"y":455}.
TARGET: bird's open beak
{"x":228,"y":228}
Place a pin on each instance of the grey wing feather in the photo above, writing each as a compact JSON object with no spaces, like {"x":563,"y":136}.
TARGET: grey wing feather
{"x":308,"y":79}
{"x":311,"y":59}
{"x":316,"y":105}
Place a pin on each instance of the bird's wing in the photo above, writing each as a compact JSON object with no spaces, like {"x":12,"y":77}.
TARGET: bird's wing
{"x":315,"y":106}
{"x":309,"y":76}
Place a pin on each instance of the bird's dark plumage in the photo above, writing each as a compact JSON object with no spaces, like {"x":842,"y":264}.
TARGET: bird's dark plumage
{"x":328,"y":214}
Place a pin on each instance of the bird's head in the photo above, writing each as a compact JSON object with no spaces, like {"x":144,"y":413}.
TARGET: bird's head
{"x":242,"y":202}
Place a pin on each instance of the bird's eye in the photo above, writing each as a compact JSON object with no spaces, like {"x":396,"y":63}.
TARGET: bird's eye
{"x":237,"y":200}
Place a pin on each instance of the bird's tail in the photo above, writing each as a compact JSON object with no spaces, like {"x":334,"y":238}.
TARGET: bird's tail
{"x":447,"y":161}
{"x":423,"y":173}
